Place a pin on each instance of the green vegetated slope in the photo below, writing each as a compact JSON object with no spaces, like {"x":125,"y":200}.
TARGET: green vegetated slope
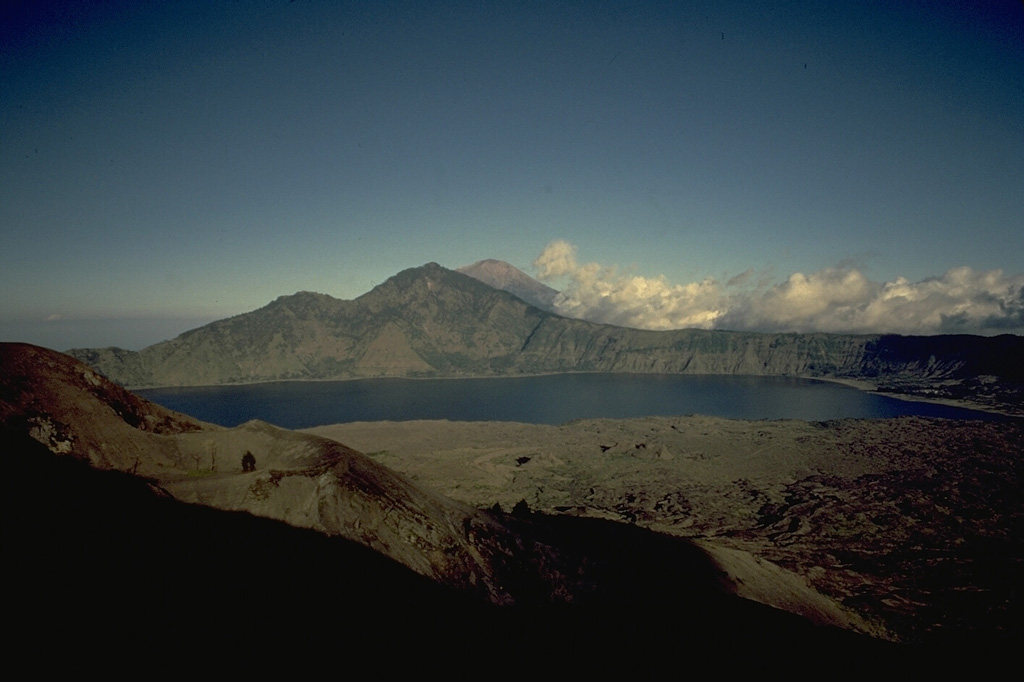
{"x":431,"y":321}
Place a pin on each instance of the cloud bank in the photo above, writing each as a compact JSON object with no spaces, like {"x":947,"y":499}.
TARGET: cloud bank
{"x":838,"y":300}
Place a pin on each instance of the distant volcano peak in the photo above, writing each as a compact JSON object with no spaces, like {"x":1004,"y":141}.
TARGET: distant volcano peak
{"x":507,"y":277}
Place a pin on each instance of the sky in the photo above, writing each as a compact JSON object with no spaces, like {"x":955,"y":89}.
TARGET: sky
{"x":784,"y":166}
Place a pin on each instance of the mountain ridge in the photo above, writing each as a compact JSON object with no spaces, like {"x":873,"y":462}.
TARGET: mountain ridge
{"x":434,"y":322}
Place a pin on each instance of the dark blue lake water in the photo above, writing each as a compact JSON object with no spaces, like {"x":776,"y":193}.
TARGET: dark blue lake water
{"x":554,"y":399}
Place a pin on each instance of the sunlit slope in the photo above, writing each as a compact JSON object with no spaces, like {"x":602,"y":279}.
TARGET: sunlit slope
{"x":300,"y":479}
{"x":430,"y":321}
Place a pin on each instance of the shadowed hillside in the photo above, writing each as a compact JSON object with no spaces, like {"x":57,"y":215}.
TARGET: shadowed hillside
{"x":109,"y":559}
{"x":317,"y":528}
{"x":433,"y":322}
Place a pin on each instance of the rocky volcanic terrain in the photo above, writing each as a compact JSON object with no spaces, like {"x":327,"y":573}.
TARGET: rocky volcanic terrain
{"x":916,"y":525}
{"x":131,"y":528}
{"x":434,"y":322}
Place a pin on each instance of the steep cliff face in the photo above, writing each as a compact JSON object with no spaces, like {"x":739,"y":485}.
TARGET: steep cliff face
{"x":430,"y":321}
{"x":572,"y":345}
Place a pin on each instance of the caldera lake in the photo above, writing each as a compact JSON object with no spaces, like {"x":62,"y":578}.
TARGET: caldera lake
{"x":549,"y":399}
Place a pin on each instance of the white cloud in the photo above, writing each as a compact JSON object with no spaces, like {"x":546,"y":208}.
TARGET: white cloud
{"x":839,"y":299}
{"x":602,"y":294}
{"x":558,"y":259}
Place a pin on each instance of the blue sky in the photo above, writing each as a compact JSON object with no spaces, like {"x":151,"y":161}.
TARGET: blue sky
{"x":785,"y":165}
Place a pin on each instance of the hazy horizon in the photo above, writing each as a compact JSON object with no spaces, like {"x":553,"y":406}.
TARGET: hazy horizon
{"x":822,"y":167}
{"x":626,"y":309}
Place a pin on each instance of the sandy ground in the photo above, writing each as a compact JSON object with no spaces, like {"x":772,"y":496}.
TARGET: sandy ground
{"x":911,"y":522}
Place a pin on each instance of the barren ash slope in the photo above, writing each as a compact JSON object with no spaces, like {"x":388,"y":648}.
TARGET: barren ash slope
{"x":116,"y":504}
{"x":433,"y":322}
{"x":913,"y":523}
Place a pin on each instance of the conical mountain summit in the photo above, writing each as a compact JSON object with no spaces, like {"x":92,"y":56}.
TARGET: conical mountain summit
{"x":507,"y":277}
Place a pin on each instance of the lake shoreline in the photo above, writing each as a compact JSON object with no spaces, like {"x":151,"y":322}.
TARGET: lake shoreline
{"x":547,"y":399}
{"x":860,"y":384}
{"x":871,"y":387}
